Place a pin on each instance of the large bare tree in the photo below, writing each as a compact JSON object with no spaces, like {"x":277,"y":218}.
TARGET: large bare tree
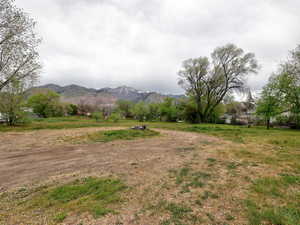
{"x":19,"y":59}
{"x":209,"y":82}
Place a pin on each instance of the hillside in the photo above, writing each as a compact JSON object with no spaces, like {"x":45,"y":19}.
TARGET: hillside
{"x":104,"y":96}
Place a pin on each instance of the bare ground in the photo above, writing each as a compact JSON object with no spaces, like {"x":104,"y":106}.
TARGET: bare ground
{"x":33,"y":158}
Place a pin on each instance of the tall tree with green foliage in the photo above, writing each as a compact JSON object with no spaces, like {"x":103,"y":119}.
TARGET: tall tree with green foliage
{"x":125,"y":107}
{"x":12,"y":103}
{"x":286,"y":84}
{"x":208,"y":82}
{"x":98,"y":116}
{"x":46,"y":104}
{"x":168,"y":110}
{"x":141,"y":111}
{"x":269,"y":105}
{"x":72,"y":109}
{"x":154,"y":111}
{"x":19,"y":59}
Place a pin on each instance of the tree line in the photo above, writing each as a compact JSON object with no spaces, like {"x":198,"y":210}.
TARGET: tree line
{"x":208,"y":83}
{"x":281,"y":95}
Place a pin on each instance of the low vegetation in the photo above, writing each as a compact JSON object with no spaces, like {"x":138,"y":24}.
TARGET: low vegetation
{"x":98,"y":196}
{"x":107,"y":136}
{"x":253,"y":175}
{"x":274,"y":200}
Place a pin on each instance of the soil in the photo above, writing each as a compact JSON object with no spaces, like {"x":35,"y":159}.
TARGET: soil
{"x":35,"y":158}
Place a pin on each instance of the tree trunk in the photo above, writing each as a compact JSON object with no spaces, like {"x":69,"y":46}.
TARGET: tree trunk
{"x":268,"y":123}
{"x":297,"y":121}
{"x":199,"y":114}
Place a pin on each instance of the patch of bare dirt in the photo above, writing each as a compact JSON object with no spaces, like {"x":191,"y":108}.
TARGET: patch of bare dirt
{"x":33,"y":158}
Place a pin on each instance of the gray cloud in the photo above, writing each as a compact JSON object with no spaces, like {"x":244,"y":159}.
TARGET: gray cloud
{"x":140,"y":43}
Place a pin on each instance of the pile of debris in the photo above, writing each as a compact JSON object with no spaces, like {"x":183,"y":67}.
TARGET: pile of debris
{"x":143,"y":127}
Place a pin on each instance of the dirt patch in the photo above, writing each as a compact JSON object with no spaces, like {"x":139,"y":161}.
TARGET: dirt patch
{"x":24,"y":141}
{"x":41,"y":157}
{"x":31,"y":157}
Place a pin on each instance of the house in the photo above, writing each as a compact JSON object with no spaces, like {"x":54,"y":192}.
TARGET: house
{"x":242,"y":113}
{"x":2,"y":120}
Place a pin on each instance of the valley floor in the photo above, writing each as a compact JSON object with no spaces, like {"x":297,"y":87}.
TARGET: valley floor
{"x":185,"y":175}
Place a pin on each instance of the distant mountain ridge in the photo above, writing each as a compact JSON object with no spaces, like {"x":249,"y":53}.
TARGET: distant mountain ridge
{"x":105,"y":96}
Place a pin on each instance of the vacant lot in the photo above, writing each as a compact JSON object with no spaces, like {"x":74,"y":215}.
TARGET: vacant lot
{"x":173,"y":174}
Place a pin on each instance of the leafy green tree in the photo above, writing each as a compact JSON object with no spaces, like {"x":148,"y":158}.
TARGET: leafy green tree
{"x":168,"y":110}
{"x":98,"y":116}
{"x":289,"y":86}
{"x":115,"y":117}
{"x":46,"y":104}
{"x":286,"y":82}
{"x":269,"y":104}
{"x":19,"y":59}
{"x":141,"y":111}
{"x":72,"y":109}
{"x":189,"y":111}
{"x":153,"y":111}
{"x":218,"y":111}
{"x":125,"y":108}
{"x":209,"y":82}
{"x":12,"y":104}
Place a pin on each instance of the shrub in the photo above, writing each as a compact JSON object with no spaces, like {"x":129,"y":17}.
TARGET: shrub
{"x":115,"y":117}
{"x":46,"y":104}
{"x":98,"y":116}
{"x":72,"y":109}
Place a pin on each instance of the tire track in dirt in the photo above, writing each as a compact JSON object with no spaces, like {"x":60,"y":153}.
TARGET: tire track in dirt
{"x":47,"y":158}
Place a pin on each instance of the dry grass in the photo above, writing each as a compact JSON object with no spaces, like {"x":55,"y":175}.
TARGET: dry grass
{"x":241,"y":176}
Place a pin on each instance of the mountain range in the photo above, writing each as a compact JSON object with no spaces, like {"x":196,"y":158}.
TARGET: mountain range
{"x":105,"y":96}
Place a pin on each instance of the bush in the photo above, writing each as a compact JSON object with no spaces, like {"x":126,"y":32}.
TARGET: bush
{"x":72,"y":110}
{"x":115,"y":117}
{"x":46,"y":105}
{"x":141,"y":111}
{"x":24,"y":118}
{"x":125,"y":108}
{"x":168,"y":110}
{"x":12,"y":105}
{"x":98,"y":116}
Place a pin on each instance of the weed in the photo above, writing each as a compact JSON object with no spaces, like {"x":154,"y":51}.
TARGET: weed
{"x":208,"y":194}
{"x":60,"y":217}
{"x":198,"y":202}
{"x":283,"y":215}
{"x":210,"y":216}
{"x":275,"y":186}
{"x":186,"y":149}
{"x":233,"y":165}
{"x":178,"y":211}
{"x":270,"y":212}
{"x":92,"y":195}
{"x":229,"y":217}
{"x":108,"y":136}
{"x":211,"y":160}
{"x":187,"y":178}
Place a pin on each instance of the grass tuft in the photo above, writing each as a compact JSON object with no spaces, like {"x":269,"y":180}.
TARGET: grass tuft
{"x":108,"y":136}
{"x":283,"y":209}
{"x":93,"y":195}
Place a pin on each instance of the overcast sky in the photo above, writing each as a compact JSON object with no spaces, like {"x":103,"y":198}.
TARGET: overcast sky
{"x":142,"y":43}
